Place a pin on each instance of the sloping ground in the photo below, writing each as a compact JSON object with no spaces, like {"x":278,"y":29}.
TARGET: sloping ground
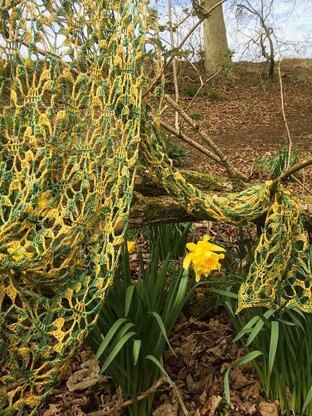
{"x":242,"y":113}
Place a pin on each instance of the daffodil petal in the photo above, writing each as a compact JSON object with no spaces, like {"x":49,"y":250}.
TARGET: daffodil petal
{"x":191,"y":246}
{"x":214,"y":247}
{"x":131,"y":247}
{"x":197,"y":277}
{"x":187,"y":261}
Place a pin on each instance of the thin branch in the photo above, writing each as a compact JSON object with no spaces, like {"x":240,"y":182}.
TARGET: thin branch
{"x":301,"y":184}
{"x":201,"y":86}
{"x":290,"y":172}
{"x":178,"y":396}
{"x":193,"y":143}
{"x":142,"y":396}
{"x":177,"y":25}
{"x":289,"y":142}
{"x":174,"y":64}
{"x":167,"y":64}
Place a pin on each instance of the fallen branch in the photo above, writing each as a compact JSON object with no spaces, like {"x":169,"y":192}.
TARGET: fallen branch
{"x":151,"y":204}
{"x":164,"y":209}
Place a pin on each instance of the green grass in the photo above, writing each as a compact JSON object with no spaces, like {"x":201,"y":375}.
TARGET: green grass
{"x":191,"y":90}
{"x":213,"y":95}
{"x":196,"y":116}
{"x":176,"y":153}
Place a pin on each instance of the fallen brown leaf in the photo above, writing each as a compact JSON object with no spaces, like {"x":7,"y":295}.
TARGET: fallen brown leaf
{"x":166,"y":410}
{"x":53,"y":410}
{"x":238,"y":379}
{"x":252,"y":391}
{"x":87,"y":377}
{"x":267,"y":409}
{"x":211,"y":405}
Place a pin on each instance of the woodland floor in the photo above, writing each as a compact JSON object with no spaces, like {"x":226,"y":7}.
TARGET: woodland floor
{"x":242,"y":113}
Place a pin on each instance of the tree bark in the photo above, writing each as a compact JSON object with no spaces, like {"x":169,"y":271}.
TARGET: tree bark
{"x":147,"y":210}
{"x":215,"y":40}
{"x":151,"y":204}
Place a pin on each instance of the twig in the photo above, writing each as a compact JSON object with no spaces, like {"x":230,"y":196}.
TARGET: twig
{"x":301,"y":184}
{"x":201,"y":86}
{"x":289,"y":143}
{"x":178,"y":396}
{"x":127,"y":403}
{"x":289,"y":172}
{"x":167,"y":64}
{"x":190,"y":141}
{"x":174,"y":64}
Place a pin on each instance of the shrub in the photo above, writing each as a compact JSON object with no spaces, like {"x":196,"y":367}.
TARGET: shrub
{"x":191,"y":90}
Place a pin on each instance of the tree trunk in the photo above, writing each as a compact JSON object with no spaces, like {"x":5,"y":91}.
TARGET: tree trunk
{"x":215,"y":40}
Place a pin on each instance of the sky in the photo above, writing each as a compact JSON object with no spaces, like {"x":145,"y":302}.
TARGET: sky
{"x":292,"y":24}
{"x":291,"y":21}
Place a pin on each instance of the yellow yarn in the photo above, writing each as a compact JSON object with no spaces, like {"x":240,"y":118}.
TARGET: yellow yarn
{"x":72,"y":125}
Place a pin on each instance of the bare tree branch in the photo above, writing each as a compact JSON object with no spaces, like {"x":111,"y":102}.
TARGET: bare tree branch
{"x":287,"y":173}
{"x":174,"y":64}
{"x":289,"y":141}
{"x":127,"y":403}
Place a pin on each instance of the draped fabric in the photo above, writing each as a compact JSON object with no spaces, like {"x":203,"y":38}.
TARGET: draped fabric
{"x":73,"y":126}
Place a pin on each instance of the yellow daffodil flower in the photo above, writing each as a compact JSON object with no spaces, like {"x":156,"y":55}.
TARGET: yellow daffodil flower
{"x":204,"y":257}
{"x":131,"y":246}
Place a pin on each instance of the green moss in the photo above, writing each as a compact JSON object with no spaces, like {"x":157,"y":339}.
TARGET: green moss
{"x":204,"y":181}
